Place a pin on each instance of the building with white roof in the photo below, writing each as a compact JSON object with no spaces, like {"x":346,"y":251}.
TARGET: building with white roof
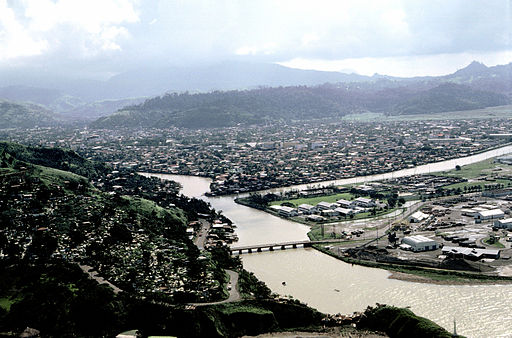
{"x":503,"y":223}
{"x":364,"y":202}
{"x":288,"y":211}
{"x":307,"y":209}
{"x":470,"y":253}
{"x":326,"y":206}
{"x":420,"y":243}
{"x":489,"y":214}
{"x":417,"y":217}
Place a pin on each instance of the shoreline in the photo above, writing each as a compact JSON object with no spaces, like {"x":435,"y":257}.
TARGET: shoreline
{"x":418,"y":274}
{"x":408,"y":277}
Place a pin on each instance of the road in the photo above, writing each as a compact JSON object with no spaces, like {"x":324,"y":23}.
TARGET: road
{"x":200,"y":239}
{"x":234,"y":294}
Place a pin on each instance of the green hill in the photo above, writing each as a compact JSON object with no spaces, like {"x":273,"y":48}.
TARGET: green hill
{"x":26,"y":115}
{"x":50,"y":214}
{"x":265,"y":105}
{"x":57,"y":158}
{"x":449,"y":97}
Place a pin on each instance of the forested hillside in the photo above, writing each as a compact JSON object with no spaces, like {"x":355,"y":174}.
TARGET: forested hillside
{"x":17,"y":115}
{"x":221,"y":109}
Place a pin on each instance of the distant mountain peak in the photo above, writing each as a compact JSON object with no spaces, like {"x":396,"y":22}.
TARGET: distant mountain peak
{"x":474,"y":68}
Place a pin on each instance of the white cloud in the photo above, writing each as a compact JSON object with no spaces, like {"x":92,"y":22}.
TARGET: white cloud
{"x":45,"y":26}
{"x":15,"y":40}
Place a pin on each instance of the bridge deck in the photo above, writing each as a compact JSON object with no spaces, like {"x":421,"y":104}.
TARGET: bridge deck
{"x":268,"y":245}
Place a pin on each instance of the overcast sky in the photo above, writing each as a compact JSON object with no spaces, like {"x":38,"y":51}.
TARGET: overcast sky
{"x":401,"y":38}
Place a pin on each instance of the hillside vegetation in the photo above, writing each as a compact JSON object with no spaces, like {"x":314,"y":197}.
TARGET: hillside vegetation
{"x":25,"y":115}
{"x":264,"y":105}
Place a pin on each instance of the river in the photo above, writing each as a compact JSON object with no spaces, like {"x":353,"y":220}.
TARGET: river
{"x":333,"y":286}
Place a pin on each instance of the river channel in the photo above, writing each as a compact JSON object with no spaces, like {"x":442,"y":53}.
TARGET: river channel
{"x":333,"y":286}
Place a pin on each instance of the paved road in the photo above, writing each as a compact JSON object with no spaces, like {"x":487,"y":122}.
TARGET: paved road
{"x":199,"y":241}
{"x":234,"y":294}
{"x":201,"y":236}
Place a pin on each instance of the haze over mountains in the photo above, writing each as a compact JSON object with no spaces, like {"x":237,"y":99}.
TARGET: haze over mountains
{"x":304,"y":94}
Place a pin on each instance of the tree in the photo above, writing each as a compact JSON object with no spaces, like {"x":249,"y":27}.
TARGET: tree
{"x":392,"y":201}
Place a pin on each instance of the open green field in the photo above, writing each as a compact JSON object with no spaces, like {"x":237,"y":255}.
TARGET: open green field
{"x":485,"y":113}
{"x":485,"y":169}
{"x":476,"y":169}
{"x":316,"y":200}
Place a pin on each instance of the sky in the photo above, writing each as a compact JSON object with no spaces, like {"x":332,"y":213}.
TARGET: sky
{"x":400,"y":38}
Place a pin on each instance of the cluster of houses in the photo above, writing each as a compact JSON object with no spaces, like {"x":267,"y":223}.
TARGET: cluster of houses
{"x":323,"y":210}
{"x":218,"y":233}
{"x":240,"y":161}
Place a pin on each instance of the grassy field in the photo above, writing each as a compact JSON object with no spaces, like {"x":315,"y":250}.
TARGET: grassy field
{"x":477,"y":170}
{"x":473,"y":170}
{"x":485,"y":113}
{"x":316,"y":200}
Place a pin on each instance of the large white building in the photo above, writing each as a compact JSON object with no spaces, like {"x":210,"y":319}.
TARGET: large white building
{"x":288,"y":211}
{"x":417,"y":217}
{"x":503,"y":223}
{"x":489,"y":214}
{"x":307,"y":209}
{"x":420,"y":243}
{"x":326,"y":206}
{"x":364,"y":202}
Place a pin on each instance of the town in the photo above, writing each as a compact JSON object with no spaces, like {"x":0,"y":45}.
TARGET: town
{"x":262,"y":157}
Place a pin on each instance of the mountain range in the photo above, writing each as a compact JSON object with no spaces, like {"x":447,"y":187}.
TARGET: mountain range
{"x":232,"y":93}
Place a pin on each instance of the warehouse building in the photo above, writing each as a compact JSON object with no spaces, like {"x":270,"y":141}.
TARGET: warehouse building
{"x":419,"y":243}
{"x":470,"y":253}
{"x":307,"y":209}
{"x":486,"y":215}
{"x":503,"y":223}
{"x":417,"y":217}
{"x":288,"y":212}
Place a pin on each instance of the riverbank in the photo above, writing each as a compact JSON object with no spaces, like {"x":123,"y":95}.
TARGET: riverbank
{"x":395,"y":171}
{"x":419,"y":274}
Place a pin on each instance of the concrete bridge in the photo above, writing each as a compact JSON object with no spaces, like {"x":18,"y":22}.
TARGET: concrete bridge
{"x":278,"y":246}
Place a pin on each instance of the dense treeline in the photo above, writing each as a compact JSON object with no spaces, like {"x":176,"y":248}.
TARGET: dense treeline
{"x":263,"y":105}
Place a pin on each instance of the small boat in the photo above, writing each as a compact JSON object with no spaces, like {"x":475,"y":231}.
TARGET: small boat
{"x":284,"y":283}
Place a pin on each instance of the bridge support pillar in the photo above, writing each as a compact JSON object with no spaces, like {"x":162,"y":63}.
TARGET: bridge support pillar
{"x":294,"y":246}
{"x":259,"y":250}
{"x":249,"y":250}
{"x":271,"y":248}
{"x":240,"y":252}
{"x":283,"y":247}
